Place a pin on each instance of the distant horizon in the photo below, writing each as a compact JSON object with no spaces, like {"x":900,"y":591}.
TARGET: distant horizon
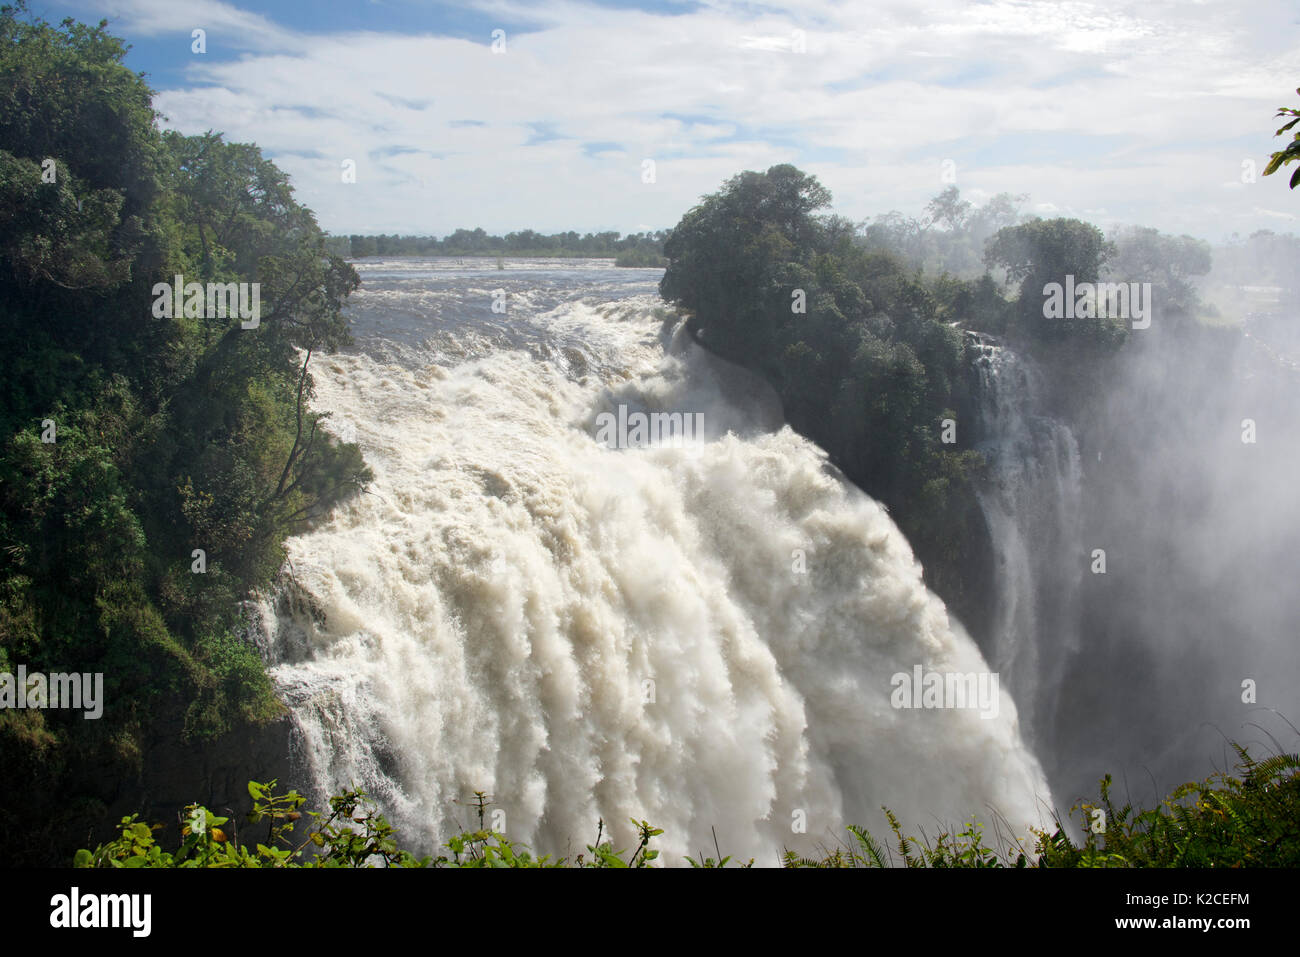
{"x":443,"y":236}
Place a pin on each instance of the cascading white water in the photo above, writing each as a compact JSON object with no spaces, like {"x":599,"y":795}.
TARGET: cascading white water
{"x":1033,"y":506}
{"x":586,"y":633}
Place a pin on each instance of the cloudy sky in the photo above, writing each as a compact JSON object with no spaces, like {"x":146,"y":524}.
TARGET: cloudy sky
{"x":1115,"y":112}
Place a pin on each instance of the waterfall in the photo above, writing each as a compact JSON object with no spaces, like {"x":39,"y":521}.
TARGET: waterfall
{"x":701,"y":636}
{"x":1032,"y":502}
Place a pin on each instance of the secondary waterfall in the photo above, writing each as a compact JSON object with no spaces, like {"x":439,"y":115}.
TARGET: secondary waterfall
{"x":1033,"y":505}
{"x":700,"y":636}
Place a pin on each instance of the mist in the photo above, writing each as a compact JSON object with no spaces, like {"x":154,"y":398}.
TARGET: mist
{"x":1189,"y":460}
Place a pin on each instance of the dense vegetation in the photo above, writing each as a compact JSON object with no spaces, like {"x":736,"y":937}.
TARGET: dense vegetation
{"x":1251,"y":820}
{"x":642,"y":256}
{"x":634,"y":249}
{"x":134,"y":435}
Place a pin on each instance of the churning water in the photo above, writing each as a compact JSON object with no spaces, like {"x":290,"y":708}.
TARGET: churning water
{"x":702,"y":636}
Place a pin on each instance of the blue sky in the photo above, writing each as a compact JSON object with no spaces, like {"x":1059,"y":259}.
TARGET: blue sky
{"x":1116,"y":112}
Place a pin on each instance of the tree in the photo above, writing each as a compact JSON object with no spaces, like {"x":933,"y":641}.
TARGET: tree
{"x":1143,"y":254}
{"x":950,"y":238}
{"x":727,"y":257}
{"x":949,"y":210}
{"x":1044,"y":251}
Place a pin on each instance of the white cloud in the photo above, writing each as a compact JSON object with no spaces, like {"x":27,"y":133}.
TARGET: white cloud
{"x":242,"y":29}
{"x":1140,"y":109}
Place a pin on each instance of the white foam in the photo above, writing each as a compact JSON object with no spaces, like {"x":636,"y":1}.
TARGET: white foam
{"x":493,"y":611}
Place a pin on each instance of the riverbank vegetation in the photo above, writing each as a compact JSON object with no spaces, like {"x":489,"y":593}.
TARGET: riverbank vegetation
{"x":634,"y":249}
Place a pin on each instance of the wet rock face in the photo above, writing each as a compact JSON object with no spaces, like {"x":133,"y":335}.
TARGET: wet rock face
{"x":214,"y":773}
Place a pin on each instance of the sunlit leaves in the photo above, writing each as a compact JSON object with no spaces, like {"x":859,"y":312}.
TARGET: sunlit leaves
{"x":1291,"y":153}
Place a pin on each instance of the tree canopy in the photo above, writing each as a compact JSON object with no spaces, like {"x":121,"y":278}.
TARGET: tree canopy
{"x":1044,"y":251}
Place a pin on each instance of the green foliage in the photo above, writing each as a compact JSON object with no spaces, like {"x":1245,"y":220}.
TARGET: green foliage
{"x":1225,"y":821}
{"x":634,"y":249}
{"x":1142,"y":254}
{"x":1250,"y":820}
{"x":234,"y":687}
{"x":640,"y":256}
{"x":735,"y":259}
{"x":65,"y":96}
{"x":709,"y":863}
{"x":170,"y":433}
{"x":1263,"y":258}
{"x":950,"y":238}
{"x":1291,"y":153}
{"x":352,"y":834}
{"x":966,"y":849}
{"x":205,"y":843}
{"x":1044,"y":251}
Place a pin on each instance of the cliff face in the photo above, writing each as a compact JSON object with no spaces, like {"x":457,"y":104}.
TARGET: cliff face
{"x":214,"y":774}
{"x":965,"y":577}
{"x":77,"y":801}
